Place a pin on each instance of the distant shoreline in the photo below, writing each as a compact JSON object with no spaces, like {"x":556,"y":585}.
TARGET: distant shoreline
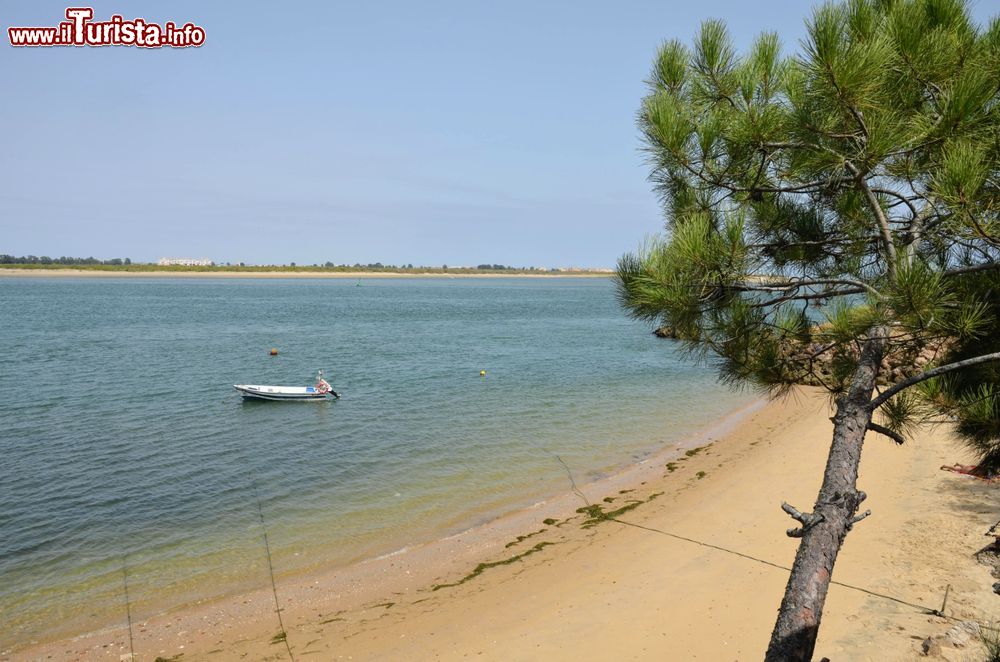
{"x":16,"y":272}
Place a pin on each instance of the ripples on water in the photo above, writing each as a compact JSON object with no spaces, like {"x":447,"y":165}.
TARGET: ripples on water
{"x":121,"y":433}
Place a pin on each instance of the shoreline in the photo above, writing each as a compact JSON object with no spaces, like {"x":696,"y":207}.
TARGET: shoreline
{"x":432,"y":558}
{"x":557,"y":581}
{"x":98,"y":273}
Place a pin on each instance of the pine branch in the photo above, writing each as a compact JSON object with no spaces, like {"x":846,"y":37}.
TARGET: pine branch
{"x":859,"y":119}
{"x":895,"y":436}
{"x":928,"y":374}
{"x":809,"y":282}
{"x":712,"y":179}
{"x":899,"y":196}
{"x":825,"y":294}
{"x":831,"y":241}
{"x":858,"y":518}
{"x":808,"y":520}
{"x":972,"y":248}
{"x":968,"y":270}
{"x":883,"y":223}
{"x":920,"y":226}
{"x":983,"y":234}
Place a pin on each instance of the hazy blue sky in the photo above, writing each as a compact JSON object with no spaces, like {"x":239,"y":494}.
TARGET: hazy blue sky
{"x":426,"y":132}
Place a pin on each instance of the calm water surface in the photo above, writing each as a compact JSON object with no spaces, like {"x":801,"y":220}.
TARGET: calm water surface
{"x":122,"y":439}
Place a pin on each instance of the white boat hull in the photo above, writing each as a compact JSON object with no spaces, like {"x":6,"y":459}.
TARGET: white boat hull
{"x":281,"y":392}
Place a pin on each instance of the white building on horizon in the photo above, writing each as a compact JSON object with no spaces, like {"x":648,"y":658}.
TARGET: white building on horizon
{"x":185,"y":262}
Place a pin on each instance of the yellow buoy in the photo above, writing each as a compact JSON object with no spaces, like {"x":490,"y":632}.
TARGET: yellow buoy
{"x":274,"y":351}
{"x":482,"y":373}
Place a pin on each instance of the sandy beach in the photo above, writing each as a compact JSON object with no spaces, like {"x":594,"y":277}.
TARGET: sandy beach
{"x":692,"y":567}
{"x":100,"y":273}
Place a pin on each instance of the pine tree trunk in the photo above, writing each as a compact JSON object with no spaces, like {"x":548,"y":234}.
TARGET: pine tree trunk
{"x":794,"y":636}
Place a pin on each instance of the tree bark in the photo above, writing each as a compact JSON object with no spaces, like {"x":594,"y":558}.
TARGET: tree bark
{"x":823,"y":531}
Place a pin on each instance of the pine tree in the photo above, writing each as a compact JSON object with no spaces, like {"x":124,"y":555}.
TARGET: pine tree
{"x":838,"y":208}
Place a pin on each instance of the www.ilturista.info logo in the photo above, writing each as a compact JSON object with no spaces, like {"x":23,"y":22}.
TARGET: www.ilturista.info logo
{"x":80,"y":30}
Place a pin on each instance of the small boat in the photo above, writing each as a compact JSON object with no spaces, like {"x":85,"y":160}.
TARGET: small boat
{"x":320,"y":391}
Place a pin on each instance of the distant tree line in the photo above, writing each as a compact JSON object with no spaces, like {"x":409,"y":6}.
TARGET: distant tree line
{"x":45,"y":259}
{"x":46,"y":262}
{"x":370,"y":266}
{"x":378,"y":265}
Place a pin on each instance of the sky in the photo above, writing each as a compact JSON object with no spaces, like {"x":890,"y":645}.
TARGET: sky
{"x":454,"y":132}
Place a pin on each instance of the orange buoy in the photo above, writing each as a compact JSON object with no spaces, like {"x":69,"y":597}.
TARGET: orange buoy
{"x":274,"y":351}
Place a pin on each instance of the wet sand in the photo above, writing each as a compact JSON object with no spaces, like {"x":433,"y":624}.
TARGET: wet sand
{"x":693,"y":567}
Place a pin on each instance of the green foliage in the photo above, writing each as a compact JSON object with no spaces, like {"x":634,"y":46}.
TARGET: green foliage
{"x":670,"y":68}
{"x":918,"y":297}
{"x":980,"y":422}
{"x":812,"y":198}
{"x":972,"y":395}
{"x":904,"y":412}
{"x":684,"y":273}
{"x":961,"y":173}
{"x":989,"y":637}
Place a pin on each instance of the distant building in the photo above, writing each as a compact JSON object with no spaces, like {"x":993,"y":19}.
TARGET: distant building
{"x":594,"y":270}
{"x":185,"y":262}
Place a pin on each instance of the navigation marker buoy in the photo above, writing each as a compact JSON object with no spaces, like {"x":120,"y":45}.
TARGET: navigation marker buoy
{"x":482,"y":373}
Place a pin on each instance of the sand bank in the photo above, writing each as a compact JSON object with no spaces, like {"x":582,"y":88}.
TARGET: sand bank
{"x":360,"y":275}
{"x":693,"y":571}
